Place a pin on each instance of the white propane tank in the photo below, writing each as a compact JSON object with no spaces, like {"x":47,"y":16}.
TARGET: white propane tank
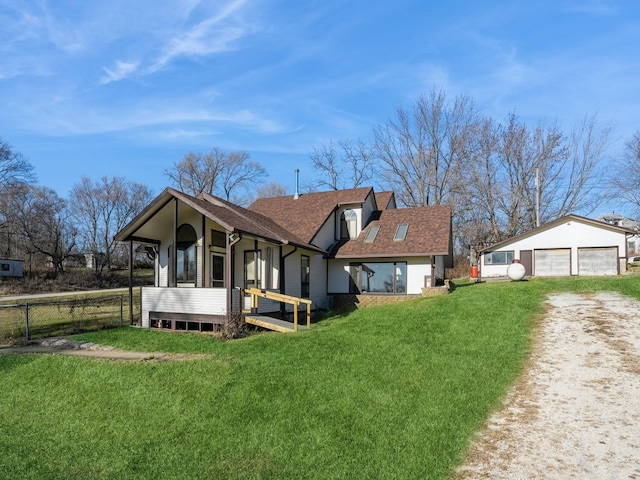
{"x":515,"y":271}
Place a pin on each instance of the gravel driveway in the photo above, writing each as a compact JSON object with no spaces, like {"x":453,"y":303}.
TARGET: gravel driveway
{"x":575,"y":413}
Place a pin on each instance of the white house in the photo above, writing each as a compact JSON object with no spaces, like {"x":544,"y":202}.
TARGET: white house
{"x":633,"y":241}
{"x":314,"y":246}
{"x":571,"y":245}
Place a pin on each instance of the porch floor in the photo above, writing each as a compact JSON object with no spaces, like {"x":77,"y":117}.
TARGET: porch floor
{"x":272,"y":323}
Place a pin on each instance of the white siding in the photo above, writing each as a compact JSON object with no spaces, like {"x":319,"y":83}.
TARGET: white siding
{"x":572,"y":234}
{"x":338,"y":276}
{"x":367,"y":210}
{"x":318,"y":282}
{"x":210,"y":301}
{"x":326,"y":235}
{"x":417,"y":269}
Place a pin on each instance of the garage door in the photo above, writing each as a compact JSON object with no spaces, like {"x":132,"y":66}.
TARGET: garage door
{"x":553,"y":263}
{"x":598,"y":261}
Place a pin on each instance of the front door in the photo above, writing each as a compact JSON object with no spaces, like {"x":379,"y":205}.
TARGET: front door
{"x":218,"y":270}
{"x":526,"y":259}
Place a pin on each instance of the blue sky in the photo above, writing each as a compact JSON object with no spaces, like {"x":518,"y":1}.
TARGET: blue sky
{"x":127,"y":88}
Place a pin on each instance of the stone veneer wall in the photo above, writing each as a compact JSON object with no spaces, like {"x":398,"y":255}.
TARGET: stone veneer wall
{"x":347,"y":301}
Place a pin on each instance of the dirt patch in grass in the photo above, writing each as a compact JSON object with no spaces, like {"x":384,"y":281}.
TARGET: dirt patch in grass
{"x":575,"y":411}
{"x":63,"y":346}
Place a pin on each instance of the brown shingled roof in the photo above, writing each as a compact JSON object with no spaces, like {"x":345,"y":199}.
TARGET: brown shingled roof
{"x":429,"y":233}
{"x":383,"y":199}
{"x":229,"y":215}
{"x":304,"y":216}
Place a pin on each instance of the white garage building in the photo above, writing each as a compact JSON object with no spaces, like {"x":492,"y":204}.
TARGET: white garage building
{"x":571,"y":245}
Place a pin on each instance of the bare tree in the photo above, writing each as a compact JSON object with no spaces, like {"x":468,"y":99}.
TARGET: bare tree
{"x":197,"y":173}
{"x":573,"y":182}
{"x":229,"y":175}
{"x":45,"y":224}
{"x":14,"y":167}
{"x":350,"y":165}
{"x":15,"y":173}
{"x":423,"y":151}
{"x":271,"y":189}
{"x":510,"y":158}
{"x":625,"y":179}
{"x":101,"y":209}
{"x":239,"y":175}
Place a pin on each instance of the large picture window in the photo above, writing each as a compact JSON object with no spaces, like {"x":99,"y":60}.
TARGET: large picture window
{"x":186,"y":254}
{"x":498,"y":258}
{"x":378,"y":277}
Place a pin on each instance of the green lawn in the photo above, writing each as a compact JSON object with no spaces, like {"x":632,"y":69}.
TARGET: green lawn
{"x":387,"y":392}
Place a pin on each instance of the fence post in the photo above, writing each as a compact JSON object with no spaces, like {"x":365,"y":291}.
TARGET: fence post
{"x":121,"y":310}
{"x":27,"y":333}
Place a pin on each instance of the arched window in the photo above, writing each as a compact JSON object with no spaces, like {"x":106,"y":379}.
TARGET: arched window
{"x":348,"y":224}
{"x":186,"y":254}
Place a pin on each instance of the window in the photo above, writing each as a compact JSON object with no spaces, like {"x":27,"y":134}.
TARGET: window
{"x":378,"y":277}
{"x":348,"y":224}
{"x":218,"y":270}
{"x":371,"y":234}
{"x":252,"y":271}
{"x":218,"y":239}
{"x":401,"y":232}
{"x":186,"y":254}
{"x":5,"y":267}
{"x":305,"y":267}
{"x":498,"y":258}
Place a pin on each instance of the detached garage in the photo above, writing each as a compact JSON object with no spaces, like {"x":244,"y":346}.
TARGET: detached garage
{"x":571,"y":245}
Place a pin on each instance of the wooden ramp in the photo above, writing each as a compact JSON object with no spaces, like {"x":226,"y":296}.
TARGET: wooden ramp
{"x":272,"y":323}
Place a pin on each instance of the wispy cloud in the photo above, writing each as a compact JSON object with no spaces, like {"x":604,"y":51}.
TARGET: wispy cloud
{"x":594,"y":7}
{"x":205,"y":38}
{"x":119,"y":71}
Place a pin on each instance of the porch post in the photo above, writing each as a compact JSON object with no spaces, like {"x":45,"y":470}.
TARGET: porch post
{"x":205,"y":252}
{"x":228,"y":272}
{"x":131,"y":263}
{"x":174,"y":253}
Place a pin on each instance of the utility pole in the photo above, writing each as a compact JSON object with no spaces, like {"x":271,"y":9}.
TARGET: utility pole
{"x":537,"y":197}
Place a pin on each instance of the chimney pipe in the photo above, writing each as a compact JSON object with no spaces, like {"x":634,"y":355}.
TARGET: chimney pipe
{"x":297,"y":194}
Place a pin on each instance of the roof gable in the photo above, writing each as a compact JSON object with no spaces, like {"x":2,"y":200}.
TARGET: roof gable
{"x":232,"y":217}
{"x":428,"y":233}
{"x":305,"y":215}
{"x":553,"y":224}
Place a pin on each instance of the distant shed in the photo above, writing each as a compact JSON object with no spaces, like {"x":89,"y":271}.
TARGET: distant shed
{"x":11,"y":268}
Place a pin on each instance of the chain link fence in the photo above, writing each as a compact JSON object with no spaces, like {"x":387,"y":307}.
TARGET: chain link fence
{"x":20,"y":323}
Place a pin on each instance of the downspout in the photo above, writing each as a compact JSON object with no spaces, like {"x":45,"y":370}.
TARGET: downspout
{"x":282,"y":276}
{"x":230,"y":243}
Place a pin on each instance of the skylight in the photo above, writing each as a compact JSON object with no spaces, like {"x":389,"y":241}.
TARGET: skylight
{"x":371,"y":234}
{"x":401,"y":232}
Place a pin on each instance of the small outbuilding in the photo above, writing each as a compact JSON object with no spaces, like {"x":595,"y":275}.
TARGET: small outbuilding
{"x":11,"y":268}
{"x":571,"y":245}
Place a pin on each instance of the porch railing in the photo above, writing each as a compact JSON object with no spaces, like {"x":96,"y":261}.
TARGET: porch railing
{"x":257,"y":293}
